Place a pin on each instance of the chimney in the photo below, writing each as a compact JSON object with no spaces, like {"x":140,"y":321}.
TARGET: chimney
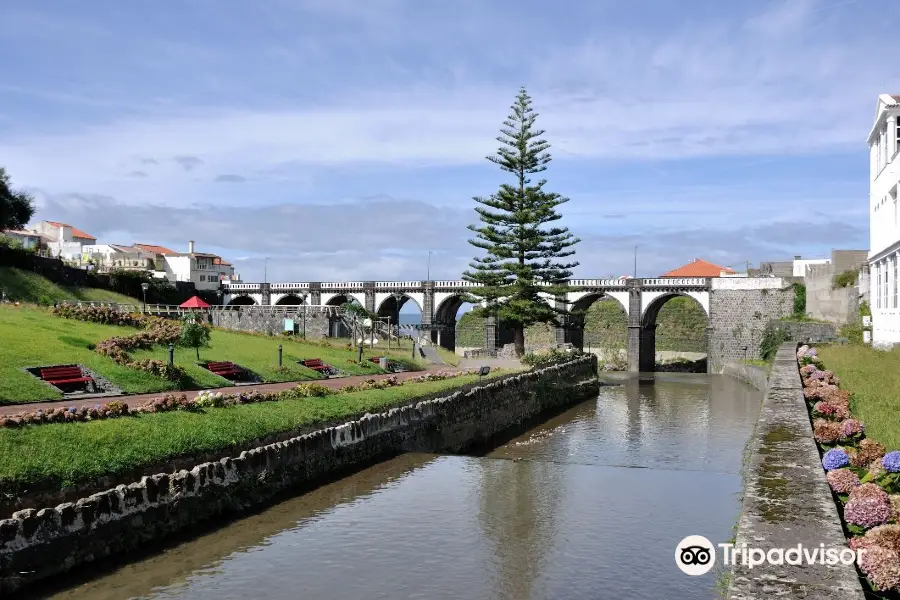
{"x":191,"y":247}
{"x":62,"y":234}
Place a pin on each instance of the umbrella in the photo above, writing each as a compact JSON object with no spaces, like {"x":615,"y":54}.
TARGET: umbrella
{"x":195,"y":302}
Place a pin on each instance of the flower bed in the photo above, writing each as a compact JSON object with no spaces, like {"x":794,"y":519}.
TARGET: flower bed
{"x":157,"y":331}
{"x":864,"y":477}
{"x":207,"y":399}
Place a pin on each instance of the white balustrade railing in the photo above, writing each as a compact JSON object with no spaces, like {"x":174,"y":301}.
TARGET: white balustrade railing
{"x":674,"y":282}
{"x":458,"y":284}
{"x":398,"y":284}
{"x":288,"y":286}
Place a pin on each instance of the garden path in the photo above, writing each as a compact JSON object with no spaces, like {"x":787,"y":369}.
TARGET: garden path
{"x":138,"y":399}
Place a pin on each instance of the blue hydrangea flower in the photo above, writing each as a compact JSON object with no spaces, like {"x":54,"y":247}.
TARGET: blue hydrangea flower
{"x":891,"y":462}
{"x":837,"y":458}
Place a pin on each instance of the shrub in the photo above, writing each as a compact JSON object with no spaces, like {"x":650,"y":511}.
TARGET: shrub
{"x":846,"y":279}
{"x":551,"y":357}
{"x":194,"y":333}
{"x":799,"y":299}
{"x":773,"y":337}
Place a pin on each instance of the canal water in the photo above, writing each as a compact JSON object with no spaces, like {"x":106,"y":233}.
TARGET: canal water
{"x":589,"y":505}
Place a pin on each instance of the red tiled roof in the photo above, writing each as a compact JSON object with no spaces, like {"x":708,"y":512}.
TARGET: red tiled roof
{"x":698,"y":268}
{"x":76,"y":233}
{"x":896,"y":97}
{"x":154,"y":249}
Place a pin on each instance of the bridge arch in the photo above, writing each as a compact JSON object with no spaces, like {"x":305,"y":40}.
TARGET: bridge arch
{"x":598,"y":322}
{"x":341,"y":299}
{"x":242,"y":300}
{"x":289,"y":300}
{"x":391,"y":305}
{"x":687,"y":322}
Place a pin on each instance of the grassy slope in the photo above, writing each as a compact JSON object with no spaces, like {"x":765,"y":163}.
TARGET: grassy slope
{"x":25,"y":286}
{"x":70,"y":453}
{"x":874,"y":379}
{"x":32,"y":337}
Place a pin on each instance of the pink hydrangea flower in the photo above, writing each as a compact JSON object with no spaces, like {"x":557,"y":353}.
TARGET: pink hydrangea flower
{"x":881,"y":566}
{"x":842,"y":481}
{"x":851,"y":427}
{"x":870,"y":490}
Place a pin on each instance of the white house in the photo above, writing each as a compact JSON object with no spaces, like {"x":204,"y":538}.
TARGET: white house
{"x":207,"y":271}
{"x":65,"y":241}
{"x":884,"y":227}
{"x":802,"y":264}
{"x":110,"y":257}
{"x":29,"y":239}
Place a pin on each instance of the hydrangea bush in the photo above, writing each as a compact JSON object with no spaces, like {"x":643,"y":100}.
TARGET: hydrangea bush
{"x":864,"y":477}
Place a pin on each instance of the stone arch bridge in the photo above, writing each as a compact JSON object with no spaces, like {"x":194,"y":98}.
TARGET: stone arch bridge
{"x":737,"y":308}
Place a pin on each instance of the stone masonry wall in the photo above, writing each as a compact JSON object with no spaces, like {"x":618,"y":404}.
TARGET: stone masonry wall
{"x":787,"y":500}
{"x":740,"y":308}
{"x":35,"y":544}
{"x":802,"y":331}
{"x":256,"y":321}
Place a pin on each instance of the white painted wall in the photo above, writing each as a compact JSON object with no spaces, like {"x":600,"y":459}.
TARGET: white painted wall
{"x":884,"y":223}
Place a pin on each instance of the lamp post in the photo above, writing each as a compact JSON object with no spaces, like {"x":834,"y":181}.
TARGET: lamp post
{"x":303,"y":301}
{"x":266,"y":270}
{"x":397,"y":298}
{"x":428,"y":275}
{"x":144,"y":287}
{"x":219,"y":295}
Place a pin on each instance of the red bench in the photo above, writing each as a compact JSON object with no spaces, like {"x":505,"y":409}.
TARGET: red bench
{"x":375,"y":359}
{"x":64,"y":375}
{"x":224,"y":369}
{"x":315,"y":364}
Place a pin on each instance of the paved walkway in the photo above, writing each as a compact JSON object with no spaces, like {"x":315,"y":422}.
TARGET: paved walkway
{"x":138,"y":399}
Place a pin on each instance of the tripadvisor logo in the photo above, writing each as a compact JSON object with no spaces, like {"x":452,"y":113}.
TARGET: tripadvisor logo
{"x":695,"y":555}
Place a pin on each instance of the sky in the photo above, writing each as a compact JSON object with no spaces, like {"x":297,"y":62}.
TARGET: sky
{"x":345,"y":140}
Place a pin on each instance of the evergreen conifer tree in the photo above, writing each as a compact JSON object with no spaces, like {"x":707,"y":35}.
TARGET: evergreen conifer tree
{"x":525,"y":251}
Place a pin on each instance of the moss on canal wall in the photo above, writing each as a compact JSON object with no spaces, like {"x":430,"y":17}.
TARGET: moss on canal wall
{"x":787,"y":500}
{"x":36,"y":544}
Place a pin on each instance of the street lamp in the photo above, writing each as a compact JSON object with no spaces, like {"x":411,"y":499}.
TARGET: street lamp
{"x":219,"y":296}
{"x":266,"y":270}
{"x":397,"y":298}
{"x":303,"y":301}
{"x":144,"y":287}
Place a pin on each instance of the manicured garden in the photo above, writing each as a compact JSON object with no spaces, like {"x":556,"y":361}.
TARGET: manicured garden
{"x":63,"y":451}
{"x":33,"y":336}
{"x":856,"y":429}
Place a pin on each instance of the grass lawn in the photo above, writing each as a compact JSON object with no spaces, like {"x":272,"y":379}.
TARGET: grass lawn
{"x":873,"y":377}
{"x":404,"y":351}
{"x":32,"y":337}
{"x":63,"y":454}
{"x":25,"y":286}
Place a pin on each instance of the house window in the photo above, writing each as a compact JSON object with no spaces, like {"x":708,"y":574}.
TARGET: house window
{"x":894,"y":281}
{"x":878,"y":286}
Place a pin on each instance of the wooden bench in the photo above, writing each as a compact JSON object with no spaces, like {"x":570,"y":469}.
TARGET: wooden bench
{"x":376,"y":359}
{"x":64,"y":375}
{"x":224,"y":369}
{"x":316,"y":364}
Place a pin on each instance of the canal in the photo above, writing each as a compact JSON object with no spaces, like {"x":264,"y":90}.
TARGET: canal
{"x":591,"y":504}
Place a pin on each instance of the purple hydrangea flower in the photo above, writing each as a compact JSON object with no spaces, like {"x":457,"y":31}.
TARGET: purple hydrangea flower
{"x":835,"y":459}
{"x":891,"y":462}
{"x":812,"y":352}
{"x":851,"y":427}
{"x":867,"y":512}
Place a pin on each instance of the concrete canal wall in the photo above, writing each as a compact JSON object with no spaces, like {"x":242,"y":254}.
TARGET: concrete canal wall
{"x":35,"y":544}
{"x":787,"y":500}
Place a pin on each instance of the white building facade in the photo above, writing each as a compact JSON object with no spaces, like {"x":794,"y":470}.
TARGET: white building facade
{"x":206,"y":271}
{"x":884,"y":226}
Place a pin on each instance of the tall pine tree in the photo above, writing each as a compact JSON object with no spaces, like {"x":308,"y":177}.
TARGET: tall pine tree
{"x":524,"y":250}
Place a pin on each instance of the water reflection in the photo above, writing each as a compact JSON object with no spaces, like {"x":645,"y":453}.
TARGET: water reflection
{"x":588,"y":505}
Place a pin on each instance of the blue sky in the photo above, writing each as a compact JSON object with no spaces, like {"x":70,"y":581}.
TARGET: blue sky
{"x":344,"y":139}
